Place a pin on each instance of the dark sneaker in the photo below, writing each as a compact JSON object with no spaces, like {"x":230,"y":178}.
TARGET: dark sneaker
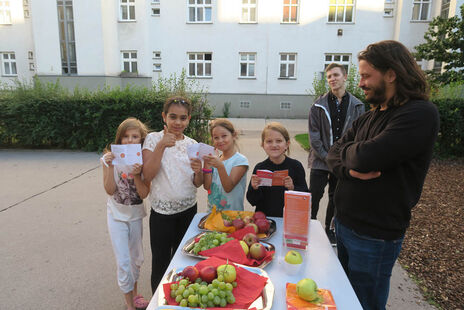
{"x":331,"y":235}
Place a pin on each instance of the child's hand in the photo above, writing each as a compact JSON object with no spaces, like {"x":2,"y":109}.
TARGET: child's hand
{"x":108,"y":158}
{"x":195,"y":163}
{"x":169,"y":139}
{"x":255,"y":180}
{"x":212,"y":161}
{"x":136,"y":169}
{"x":288,"y":183}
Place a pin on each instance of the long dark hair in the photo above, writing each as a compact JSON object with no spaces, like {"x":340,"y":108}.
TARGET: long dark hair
{"x":410,"y":79}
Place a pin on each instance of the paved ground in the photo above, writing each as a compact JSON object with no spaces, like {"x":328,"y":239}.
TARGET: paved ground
{"x":55,"y":252}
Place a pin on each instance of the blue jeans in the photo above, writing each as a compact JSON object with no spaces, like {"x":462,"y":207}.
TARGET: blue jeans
{"x":368,"y":263}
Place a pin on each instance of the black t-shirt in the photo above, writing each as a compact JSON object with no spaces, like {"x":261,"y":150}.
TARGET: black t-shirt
{"x":338,"y":114}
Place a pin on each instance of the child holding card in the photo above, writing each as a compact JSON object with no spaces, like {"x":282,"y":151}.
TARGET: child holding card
{"x":174,"y":179}
{"x":225,"y":175}
{"x":275,"y":141}
{"x":126,"y":189}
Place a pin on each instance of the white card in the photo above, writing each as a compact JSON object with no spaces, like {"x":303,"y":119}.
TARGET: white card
{"x":126,"y":154}
{"x":199,"y":150}
{"x":193,"y":150}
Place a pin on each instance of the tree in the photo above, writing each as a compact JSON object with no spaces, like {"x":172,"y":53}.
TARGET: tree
{"x":444,"y":42}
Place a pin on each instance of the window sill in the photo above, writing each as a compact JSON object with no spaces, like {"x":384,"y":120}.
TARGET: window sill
{"x":245,"y":23}
{"x":286,"y":78}
{"x":388,"y":16}
{"x":420,"y":21}
{"x":247,"y":77}
{"x":200,"y":77}
{"x":127,"y":21}
{"x":340,"y":23}
{"x":200,"y":23}
{"x":6,"y":24}
{"x":9,"y":75}
{"x":289,"y":23}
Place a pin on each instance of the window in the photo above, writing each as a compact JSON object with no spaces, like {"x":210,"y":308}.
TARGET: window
{"x":244,"y":104}
{"x":287,"y":65}
{"x":247,"y":65}
{"x":445,"y":6}
{"x":155,"y":11}
{"x":67,"y":39}
{"x":199,"y":11}
{"x":127,"y":10}
{"x":5,"y":12}
{"x":156,"y":55}
{"x":155,"y":1}
{"x":199,"y":64}
{"x":156,"y":67}
{"x":421,"y":10}
{"x":342,"y":59}
{"x":30,"y":55}
{"x":9,"y":64}
{"x":26,"y":8}
{"x":341,"y":11}
{"x":290,"y":13}
{"x":248,"y":11}
{"x":129,"y":61}
{"x":388,"y":13}
{"x":285,"y":105}
{"x":31,"y":66}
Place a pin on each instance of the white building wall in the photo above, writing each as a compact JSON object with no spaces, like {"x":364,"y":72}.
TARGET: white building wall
{"x":17,"y":38}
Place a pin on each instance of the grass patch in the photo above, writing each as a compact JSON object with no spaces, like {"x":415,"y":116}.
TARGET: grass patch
{"x":303,"y":140}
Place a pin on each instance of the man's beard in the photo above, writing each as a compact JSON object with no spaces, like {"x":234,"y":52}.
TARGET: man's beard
{"x":377,"y":94}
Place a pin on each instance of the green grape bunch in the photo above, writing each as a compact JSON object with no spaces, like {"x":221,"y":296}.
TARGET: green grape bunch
{"x":210,"y":240}
{"x":201,"y":294}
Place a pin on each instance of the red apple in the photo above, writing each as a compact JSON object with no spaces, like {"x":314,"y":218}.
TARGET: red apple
{"x":248,"y":219}
{"x":191,"y":272}
{"x":254,"y":227}
{"x":250,"y":238}
{"x":259,"y":215}
{"x":257,"y":251}
{"x":238,"y":223}
{"x":263,"y":225}
{"x":208,"y":273}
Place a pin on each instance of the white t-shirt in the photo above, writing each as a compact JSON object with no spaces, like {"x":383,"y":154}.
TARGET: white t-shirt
{"x":125,"y":204}
{"x":234,"y":199}
{"x":172,"y":189}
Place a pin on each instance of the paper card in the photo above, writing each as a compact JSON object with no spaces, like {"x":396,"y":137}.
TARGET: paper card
{"x":199,"y":150}
{"x":126,"y":154}
{"x":269,"y":178}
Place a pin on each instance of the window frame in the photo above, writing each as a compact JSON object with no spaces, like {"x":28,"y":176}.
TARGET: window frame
{"x":153,"y":11}
{"x":342,"y":62}
{"x":197,"y":6}
{"x":290,"y":5}
{"x":155,"y":65}
{"x":244,"y":105}
{"x":10,"y":61}
{"x":385,"y":14}
{"x":421,"y":6}
{"x":344,"y":6}
{"x":287,"y":62}
{"x":130,"y":61}
{"x":285,"y":105}
{"x":249,"y":6}
{"x":5,"y":12}
{"x":128,"y":4}
{"x":247,"y":62}
{"x":204,"y":63}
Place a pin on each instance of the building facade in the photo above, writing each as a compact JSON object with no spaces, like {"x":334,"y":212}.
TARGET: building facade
{"x":258,"y":56}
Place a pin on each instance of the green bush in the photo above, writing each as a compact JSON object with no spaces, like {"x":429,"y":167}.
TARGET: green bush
{"x":48,"y":115}
{"x":450,"y":141}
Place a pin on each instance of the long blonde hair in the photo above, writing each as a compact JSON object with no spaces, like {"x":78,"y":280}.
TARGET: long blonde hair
{"x":129,"y":123}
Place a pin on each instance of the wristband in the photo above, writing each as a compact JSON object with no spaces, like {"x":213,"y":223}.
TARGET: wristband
{"x":206,"y":171}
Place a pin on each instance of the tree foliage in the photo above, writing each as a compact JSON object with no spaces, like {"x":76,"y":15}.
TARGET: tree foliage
{"x":444,"y":42}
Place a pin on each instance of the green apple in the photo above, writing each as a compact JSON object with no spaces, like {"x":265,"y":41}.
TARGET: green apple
{"x":228,"y":272}
{"x":244,"y":246}
{"x":307,"y":289}
{"x":293,"y":257}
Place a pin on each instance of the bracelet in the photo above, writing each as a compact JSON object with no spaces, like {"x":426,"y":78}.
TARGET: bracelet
{"x":206,"y":171}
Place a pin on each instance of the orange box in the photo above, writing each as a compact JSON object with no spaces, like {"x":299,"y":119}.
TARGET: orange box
{"x":296,"y":303}
{"x":297,"y":215}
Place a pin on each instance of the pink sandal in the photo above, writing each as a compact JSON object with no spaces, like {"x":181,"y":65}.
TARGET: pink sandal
{"x":140,"y":303}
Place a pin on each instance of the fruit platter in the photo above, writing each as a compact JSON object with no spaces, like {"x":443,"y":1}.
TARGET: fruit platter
{"x":217,"y":283}
{"x":259,"y":255}
{"x":230,"y":221}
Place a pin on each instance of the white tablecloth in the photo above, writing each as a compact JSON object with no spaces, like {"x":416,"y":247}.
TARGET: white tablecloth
{"x":320,"y":264}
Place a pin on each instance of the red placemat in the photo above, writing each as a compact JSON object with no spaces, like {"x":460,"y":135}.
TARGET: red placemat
{"x":249,"y":285}
{"x":239,"y":234}
{"x":233,"y":251}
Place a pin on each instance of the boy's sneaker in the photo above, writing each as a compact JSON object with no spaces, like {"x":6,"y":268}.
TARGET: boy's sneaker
{"x":331,"y":235}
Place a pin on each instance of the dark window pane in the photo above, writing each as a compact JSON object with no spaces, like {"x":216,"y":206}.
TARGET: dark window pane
{"x":208,"y":56}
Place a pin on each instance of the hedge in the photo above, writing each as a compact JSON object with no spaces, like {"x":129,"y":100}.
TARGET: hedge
{"x":450,"y":142}
{"x":49,"y":116}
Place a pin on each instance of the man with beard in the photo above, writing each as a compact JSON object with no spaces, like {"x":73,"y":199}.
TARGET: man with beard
{"x":330,"y":117}
{"x":381,"y":163}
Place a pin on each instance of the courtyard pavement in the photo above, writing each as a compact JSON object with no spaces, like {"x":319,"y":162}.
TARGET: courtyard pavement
{"x":55,"y":252}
